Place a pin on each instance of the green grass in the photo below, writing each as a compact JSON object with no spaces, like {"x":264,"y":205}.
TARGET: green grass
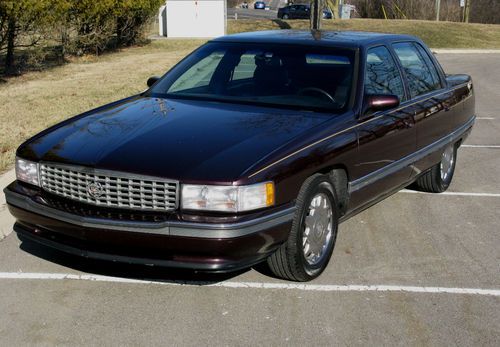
{"x":36,"y":100}
{"x":434,"y":34}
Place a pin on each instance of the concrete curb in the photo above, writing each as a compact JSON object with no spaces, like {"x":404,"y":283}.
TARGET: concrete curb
{"x":6,"y":219}
{"x":464,"y":51}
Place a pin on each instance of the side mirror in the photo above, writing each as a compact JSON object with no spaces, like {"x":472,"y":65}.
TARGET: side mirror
{"x":376,"y":103}
{"x":152,"y":80}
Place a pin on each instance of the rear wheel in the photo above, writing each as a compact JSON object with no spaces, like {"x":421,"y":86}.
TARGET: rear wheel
{"x":309,"y":247}
{"x":438,"y":179}
{"x":285,"y":16}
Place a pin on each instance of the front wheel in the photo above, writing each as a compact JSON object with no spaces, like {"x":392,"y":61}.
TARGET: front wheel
{"x":439,"y":177}
{"x":285,"y":16}
{"x":310,"y":244}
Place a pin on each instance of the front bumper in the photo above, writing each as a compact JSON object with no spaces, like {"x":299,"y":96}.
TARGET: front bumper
{"x":216,"y":244}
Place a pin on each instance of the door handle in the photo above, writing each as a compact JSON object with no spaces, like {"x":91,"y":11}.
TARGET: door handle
{"x":432,"y":111}
{"x":405,"y":123}
{"x":408,"y":123}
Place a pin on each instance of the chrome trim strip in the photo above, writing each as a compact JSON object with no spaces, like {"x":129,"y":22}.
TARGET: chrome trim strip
{"x":357,"y":125}
{"x":410,"y":159}
{"x":184,"y":229}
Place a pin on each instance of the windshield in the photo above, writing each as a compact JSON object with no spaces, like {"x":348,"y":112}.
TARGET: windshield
{"x":304,"y":77}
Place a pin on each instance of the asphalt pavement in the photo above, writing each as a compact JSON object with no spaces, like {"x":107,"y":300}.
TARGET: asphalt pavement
{"x":250,"y":13}
{"x":416,"y":269}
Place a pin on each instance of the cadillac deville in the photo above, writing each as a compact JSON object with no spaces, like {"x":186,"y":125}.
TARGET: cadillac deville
{"x":252,"y":149}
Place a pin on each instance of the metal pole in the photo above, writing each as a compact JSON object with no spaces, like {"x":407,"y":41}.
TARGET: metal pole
{"x":316,"y":14}
{"x":438,"y":9}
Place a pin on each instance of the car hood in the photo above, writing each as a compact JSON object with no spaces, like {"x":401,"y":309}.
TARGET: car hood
{"x":186,"y":140}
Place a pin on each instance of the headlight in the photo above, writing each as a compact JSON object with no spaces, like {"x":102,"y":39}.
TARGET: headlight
{"x":227,"y":198}
{"x":27,"y":171}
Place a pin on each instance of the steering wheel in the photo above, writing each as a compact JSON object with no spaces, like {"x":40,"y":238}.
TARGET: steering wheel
{"x":316,"y":90}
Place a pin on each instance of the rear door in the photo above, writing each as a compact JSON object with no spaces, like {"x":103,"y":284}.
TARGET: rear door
{"x":386,"y":138}
{"x":432,"y":102}
{"x":426,"y":91}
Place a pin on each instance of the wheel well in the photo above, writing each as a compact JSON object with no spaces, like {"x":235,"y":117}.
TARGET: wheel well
{"x":339,"y":179}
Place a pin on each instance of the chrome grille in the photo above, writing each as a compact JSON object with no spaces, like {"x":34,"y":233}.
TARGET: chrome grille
{"x":108,"y":188}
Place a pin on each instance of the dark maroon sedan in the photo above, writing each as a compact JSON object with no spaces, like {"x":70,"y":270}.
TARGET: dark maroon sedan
{"x":251,"y":149}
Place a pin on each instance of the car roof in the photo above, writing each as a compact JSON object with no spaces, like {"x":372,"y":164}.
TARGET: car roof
{"x":320,"y":38}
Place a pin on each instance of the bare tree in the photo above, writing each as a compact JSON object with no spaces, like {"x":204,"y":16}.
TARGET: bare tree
{"x":20,"y":23}
{"x":485,"y":11}
{"x":481,"y":11}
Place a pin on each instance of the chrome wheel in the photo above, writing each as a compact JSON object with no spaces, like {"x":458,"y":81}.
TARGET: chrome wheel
{"x":307,"y":251}
{"x":447,"y":161}
{"x":318,"y":229}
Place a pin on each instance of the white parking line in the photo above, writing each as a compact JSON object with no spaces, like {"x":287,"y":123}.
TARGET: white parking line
{"x":255,"y":285}
{"x":491,"y":195}
{"x":485,"y":118}
{"x":480,"y":146}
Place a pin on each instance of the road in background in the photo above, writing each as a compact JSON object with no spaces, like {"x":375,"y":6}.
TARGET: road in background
{"x":250,"y":13}
{"x":416,"y":240}
{"x":275,"y":4}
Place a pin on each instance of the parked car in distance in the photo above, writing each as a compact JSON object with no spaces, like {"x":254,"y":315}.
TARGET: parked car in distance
{"x":327,"y":14}
{"x":252,"y":149}
{"x":244,"y":4}
{"x":259,"y":5}
{"x":300,"y":12}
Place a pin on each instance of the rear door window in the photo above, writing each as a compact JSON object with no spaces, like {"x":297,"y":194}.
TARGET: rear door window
{"x":382,"y":75}
{"x":421,"y":78}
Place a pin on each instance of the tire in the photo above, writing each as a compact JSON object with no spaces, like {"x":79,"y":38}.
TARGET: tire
{"x":439,"y":177}
{"x":291,"y":261}
{"x":285,"y":16}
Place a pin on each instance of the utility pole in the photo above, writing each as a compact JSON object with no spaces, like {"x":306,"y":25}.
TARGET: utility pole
{"x":316,"y":14}
{"x":438,"y":9}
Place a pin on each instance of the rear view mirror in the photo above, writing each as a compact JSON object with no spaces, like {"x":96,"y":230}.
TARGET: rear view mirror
{"x":380,"y":102}
{"x":152,"y":80}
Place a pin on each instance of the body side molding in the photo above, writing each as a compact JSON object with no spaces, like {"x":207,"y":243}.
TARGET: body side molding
{"x":410,"y":159}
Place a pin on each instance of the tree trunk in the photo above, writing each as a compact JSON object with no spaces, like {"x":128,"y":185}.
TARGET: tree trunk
{"x":119,"y":31}
{"x":335,"y":9}
{"x":11,"y":38}
{"x":64,"y":41}
{"x":333,"y":5}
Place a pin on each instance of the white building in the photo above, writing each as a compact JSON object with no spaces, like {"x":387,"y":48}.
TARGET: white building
{"x":193,"y":18}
